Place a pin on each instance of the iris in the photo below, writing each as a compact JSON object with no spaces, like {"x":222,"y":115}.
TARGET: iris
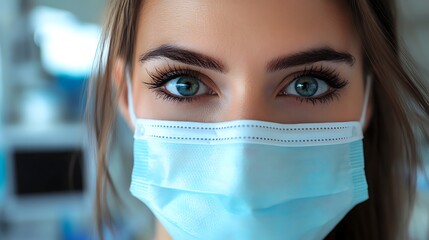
{"x":187,"y":86}
{"x":306,"y":86}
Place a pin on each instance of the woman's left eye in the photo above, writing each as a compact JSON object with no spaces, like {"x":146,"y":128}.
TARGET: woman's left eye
{"x":186,"y":86}
{"x":307,"y":87}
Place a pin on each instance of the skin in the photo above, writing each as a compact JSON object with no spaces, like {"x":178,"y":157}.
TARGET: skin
{"x":246,"y":35}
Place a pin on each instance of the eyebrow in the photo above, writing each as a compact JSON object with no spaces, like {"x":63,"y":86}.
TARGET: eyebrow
{"x":184,"y":56}
{"x":200,"y":60}
{"x":309,"y":57}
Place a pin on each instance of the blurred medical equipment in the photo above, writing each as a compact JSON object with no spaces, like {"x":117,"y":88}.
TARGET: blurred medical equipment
{"x":48,"y":185}
{"x":49,"y":179}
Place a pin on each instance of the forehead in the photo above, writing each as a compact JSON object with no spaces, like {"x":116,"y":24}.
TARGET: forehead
{"x":246,"y":30}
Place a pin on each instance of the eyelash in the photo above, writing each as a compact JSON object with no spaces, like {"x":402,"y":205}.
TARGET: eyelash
{"x":161,"y":76}
{"x":331,"y":77}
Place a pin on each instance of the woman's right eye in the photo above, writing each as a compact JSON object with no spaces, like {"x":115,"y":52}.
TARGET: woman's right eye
{"x":185,"y":87}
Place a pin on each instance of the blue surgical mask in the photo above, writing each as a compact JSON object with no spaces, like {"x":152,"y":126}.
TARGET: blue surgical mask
{"x":248,"y":179}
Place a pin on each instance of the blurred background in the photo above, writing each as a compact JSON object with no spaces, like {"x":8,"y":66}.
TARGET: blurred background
{"x":47,"y":174}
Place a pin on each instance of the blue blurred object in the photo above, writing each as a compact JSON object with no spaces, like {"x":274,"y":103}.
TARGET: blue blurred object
{"x":68,"y":48}
{"x":72,"y":88}
{"x":72,"y":232}
{"x":2,"y":176}
{"x":423,"y":181}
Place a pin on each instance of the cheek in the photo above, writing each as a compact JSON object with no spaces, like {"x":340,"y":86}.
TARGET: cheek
{"x":148,"y":105}
{"x":347,"y":107}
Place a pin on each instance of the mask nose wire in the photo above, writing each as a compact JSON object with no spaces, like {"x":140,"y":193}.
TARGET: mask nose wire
{"x":130,"y":97}
{"x":367,"y":94}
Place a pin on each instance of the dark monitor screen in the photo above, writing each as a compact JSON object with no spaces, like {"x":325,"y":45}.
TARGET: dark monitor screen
{"x":41,"y":172}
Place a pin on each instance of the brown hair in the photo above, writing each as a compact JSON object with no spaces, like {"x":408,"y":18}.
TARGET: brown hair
{"x":400,"y":111}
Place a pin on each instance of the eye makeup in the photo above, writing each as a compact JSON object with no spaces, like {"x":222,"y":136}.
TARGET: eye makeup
{"x":161,"y":76}
{"x":326,"y":74}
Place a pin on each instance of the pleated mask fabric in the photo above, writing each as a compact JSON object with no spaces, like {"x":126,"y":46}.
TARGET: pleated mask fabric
{"x":248,"y":179}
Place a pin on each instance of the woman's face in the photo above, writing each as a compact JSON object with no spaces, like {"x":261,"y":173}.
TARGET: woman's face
{"x":289,"y":61}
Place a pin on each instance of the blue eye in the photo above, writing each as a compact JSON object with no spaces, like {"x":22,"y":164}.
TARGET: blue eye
{"x":307,"y":86}
{"x":186,"y":86}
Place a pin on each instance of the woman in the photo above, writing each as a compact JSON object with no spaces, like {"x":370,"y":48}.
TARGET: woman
{"x":249,"y":117}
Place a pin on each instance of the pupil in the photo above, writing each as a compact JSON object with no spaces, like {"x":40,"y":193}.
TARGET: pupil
{"x":306,"y":86}
{"x":187,"y":86}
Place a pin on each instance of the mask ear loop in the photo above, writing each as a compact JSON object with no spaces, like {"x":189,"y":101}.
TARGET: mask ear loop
{"x":130,"y":97}
{"x":367,"y":93}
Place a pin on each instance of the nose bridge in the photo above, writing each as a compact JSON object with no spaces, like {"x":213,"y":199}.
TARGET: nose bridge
{"x":244,"y":109}
{"x":248,"y":101}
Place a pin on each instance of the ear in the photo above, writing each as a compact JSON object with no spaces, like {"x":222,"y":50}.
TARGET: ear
{"x":122,"y":91}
